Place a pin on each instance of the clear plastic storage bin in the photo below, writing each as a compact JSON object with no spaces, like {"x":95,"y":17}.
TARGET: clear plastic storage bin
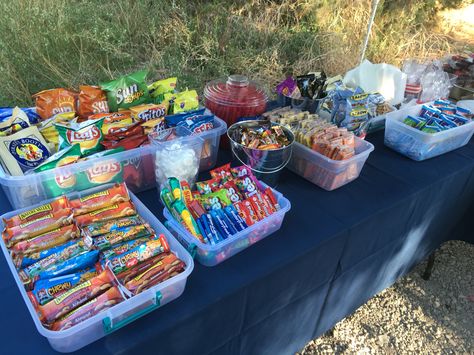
{"x":125,"y":312}
{"x":418,"y":145}
{"x":136,"y":167}
{"x":328,"y":173}
{"x":211,"y":255}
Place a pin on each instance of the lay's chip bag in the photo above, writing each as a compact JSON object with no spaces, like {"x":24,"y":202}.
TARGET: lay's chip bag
{"x":103,"y":171}
{"x":127,"y":91}
{"x":87,"y":134}
{"x":64,"y":181}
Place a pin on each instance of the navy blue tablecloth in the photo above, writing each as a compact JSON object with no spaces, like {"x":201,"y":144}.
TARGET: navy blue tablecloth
{"x":334,"y":251}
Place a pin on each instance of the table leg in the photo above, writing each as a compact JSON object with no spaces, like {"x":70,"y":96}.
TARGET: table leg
{"x":429,"y":267}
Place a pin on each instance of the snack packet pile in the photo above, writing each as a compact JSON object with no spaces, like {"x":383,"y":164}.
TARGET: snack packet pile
{"x":116,"y":114}
{"x":79,"y":257}
{"x":311,"y":86}
{"x":232,"y":200}
{"x":315,"y":133}
{"x":440,"y":116}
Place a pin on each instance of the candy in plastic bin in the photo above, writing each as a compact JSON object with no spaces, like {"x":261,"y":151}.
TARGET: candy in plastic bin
{"x":114,"y":211}
{"x":167,"y":198}
{"x":204,"y":231}
{"x":464,"y":112}
{"x":187,"y":219}
{"x":208,"y":186}
{"x":238,"y":221}
{"x":240,"y":171}
{"x":245,"y":210}
{"x":196,"y":209}
{"x":247,"y":185}
{"x":412,"y":121}
{"x":232,"y":191}
{"x":222,"y":172}
{"x":175,"y":188}
{"x":123,"y":247}
{"x":99,"y":228}
{"x":186,"y":193}
{"x":233,"y":229}
{"x":209,"y":224}
{"x":125,"y":234}
{"x":221,"y":225}
{"x":215,"y":200}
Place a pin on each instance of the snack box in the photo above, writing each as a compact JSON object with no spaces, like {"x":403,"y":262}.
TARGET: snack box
{"x":211,"y":255}
{"x":418,"y":145}
{"x":327,"y":173}
{"x":136,"y":167}
{"x":121,"y":314}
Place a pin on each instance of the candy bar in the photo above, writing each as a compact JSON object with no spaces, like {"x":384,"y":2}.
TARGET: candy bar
{"x":35,"y":213}
{"x":98,"y":228}
{"x":114,"y":211}
{"x":116,"y":194}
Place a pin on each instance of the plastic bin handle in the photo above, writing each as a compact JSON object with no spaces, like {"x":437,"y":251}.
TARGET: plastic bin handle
{"x":109,"y":327}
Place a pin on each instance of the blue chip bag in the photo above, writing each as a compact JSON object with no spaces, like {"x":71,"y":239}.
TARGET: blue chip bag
{"x":199,"y":123}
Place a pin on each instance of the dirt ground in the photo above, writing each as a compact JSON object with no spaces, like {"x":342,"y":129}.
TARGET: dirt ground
{"x":414,"y":315}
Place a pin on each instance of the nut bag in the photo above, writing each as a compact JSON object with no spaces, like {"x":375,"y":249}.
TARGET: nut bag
{"x":54,"y":101}
{"x":127,"y":91}
{"x":92,"y":100}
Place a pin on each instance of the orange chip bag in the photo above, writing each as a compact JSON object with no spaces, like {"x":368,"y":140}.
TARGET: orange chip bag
{"x":92,"y":100}
{"x":54,"y":101}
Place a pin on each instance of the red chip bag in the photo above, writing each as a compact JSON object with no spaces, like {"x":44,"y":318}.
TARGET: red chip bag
{"x":92,"y":100}
{"x":54,"y":101}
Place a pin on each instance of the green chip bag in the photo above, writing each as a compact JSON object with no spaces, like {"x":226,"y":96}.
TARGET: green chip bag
{"x":161,"y":87}
{"x":87,"y":134}
{"x":100,"y":172}
{"x":64,"y":157}
{"x":127,"y":91}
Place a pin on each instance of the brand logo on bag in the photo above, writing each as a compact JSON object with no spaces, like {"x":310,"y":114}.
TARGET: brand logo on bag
{"x":88,"y":134}
{"x":104,"y":172}
{"x":28,"y":152}
{"x":152,"y":114}
{"x":129,"y":94}
{"x":65,"y":180}
{"x":203,"y":127}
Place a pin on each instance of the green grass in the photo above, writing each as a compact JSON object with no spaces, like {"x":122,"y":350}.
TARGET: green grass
{"x":53,"y":43}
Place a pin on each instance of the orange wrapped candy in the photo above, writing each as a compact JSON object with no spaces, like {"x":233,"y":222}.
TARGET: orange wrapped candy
{"x":116,"y":194}
{"x":116,"y":210}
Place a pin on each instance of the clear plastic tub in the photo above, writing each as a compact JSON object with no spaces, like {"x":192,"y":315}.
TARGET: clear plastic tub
{"x":122,"y":314}
{"x":178,"y":153}
{"x":328,"y":173}
{"x":136,"y":167}
{"x":211,"y":255}
{"x":418,"y":145}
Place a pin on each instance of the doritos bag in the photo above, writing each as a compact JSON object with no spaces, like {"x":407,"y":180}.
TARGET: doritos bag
{"x":92,"y":100}
{"x":54,"y":101}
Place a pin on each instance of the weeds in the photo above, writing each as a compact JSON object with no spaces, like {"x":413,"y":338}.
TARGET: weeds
{"x":51,"y":43}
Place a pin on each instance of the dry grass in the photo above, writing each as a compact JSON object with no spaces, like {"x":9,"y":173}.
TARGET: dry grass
{"x":51,"y":43}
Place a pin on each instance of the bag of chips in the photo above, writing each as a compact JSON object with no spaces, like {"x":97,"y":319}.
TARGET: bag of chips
{"x":54,"y":101}
{"x":127,"y":91}
{"x":87,"y":134}
{"x":161,"y":87}
{"x":92,"y":100}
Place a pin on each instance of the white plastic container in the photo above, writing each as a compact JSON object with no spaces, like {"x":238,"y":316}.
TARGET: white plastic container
{"x":328,"y":173}
{"x":211,"y":255}
{"x":136,"y":167}
{"x":418,"y":145}
{"x":122,"y":314}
